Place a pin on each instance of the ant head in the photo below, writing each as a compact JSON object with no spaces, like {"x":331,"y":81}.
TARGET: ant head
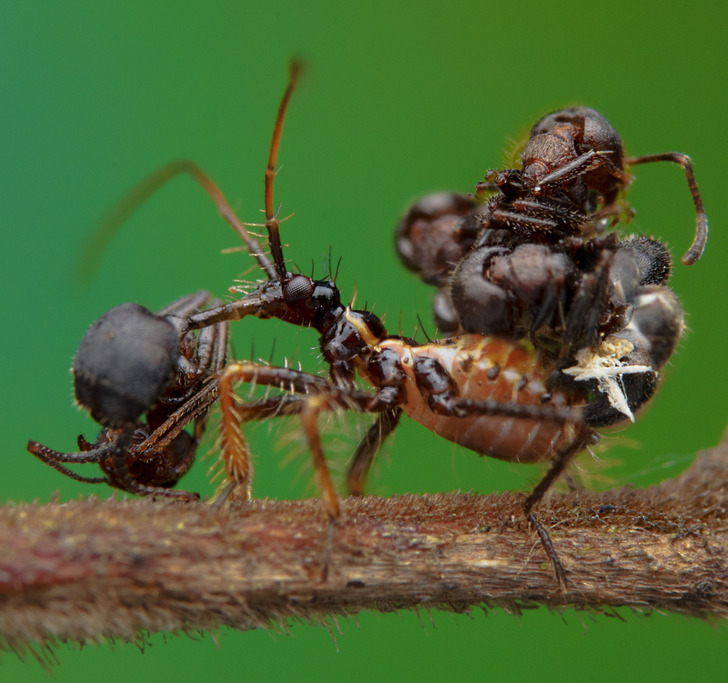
{"x":291,"y":297}
{"x":582,"y":131}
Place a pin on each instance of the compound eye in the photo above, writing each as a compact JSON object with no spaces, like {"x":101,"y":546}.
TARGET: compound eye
{"x":299,"y":288}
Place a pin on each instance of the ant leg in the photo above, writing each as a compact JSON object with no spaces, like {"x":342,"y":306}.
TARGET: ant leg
{"x":212,"y":345}
{"x":524,"y":221}
{"x":588,"y":161}
{"x":696,"y":249}
{"x":212,"y":352}
{"x":367,"y":449}
{"x":194,"y":407}
{"x":186,"y":305}
{"x":54,"y":458}
{"x":584,"y":434}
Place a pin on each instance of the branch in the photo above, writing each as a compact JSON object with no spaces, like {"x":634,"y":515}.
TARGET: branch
{"x":95,"y":569}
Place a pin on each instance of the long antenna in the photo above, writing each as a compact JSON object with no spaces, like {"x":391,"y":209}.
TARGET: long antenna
{"x":271,"y":219}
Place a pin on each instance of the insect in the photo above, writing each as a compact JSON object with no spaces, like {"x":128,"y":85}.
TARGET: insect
{"x":528,"y":254}
{"x":501,"y":397}
{"x":143,"y":379}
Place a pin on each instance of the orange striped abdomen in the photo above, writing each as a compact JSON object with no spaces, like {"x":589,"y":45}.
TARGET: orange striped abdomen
{"x":489,"y":368}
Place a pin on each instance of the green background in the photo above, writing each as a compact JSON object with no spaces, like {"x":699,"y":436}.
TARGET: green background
{"x":400,"y":99}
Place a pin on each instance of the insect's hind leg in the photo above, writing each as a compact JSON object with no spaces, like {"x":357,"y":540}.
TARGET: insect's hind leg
{"x":584,"y":434}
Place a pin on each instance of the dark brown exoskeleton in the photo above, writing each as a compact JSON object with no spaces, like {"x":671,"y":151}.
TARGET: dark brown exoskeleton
{"x":144,"y":379}
{"x":528,"y":254}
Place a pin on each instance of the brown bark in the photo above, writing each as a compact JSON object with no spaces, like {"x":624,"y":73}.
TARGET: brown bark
{"x":94,"y":569}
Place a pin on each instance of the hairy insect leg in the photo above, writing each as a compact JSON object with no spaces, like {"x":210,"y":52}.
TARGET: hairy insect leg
{"x":695,"y":251}
{"x":235,"y":450}
{"x":309,"y":419}
{"x":314,"y":398}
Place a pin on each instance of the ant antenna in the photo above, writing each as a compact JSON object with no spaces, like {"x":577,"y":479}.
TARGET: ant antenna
{"x":695,"y":251}
{"x":271,"y":221}
{"x":109,"y":225}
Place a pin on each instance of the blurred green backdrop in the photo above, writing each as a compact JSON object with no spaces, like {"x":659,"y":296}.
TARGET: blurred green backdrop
{"x":400,"y":99}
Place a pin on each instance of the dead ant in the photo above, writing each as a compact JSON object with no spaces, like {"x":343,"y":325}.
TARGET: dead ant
{"x":133,"y":363}
{"x":527,"y":254}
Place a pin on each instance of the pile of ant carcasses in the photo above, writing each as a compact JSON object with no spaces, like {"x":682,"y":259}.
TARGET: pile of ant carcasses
{"x":555,"y":327}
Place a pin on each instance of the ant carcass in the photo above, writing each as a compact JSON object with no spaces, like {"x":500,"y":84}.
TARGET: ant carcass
{"x":133,"y":364}
{"x":528,"y":255}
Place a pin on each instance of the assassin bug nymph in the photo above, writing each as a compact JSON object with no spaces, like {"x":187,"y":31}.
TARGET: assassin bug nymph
{"x":499,"y":397}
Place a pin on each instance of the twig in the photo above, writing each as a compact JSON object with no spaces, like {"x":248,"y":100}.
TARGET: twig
{"x":91,"y":569}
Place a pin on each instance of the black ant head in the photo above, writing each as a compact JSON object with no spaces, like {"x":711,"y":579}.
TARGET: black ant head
{"x":292,"y":297}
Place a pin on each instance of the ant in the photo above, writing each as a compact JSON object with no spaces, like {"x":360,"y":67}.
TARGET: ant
{"x":133,"y":363}
{"x":527,"y":254}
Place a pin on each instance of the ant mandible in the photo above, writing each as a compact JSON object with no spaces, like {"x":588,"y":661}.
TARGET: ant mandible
{"x":527,"y":254}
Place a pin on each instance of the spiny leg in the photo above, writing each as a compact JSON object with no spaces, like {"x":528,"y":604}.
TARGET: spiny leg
{"x":318,"y":395}
{"x":309,"y":419}
{"x":235,"y":450}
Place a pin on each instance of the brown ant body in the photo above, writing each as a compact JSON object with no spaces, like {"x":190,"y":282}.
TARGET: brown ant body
{"x":499,"y":396}
{"x":527,"y":254}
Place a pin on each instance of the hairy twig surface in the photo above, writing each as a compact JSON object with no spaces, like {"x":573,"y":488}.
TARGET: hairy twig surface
{"x":91,"y":569}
